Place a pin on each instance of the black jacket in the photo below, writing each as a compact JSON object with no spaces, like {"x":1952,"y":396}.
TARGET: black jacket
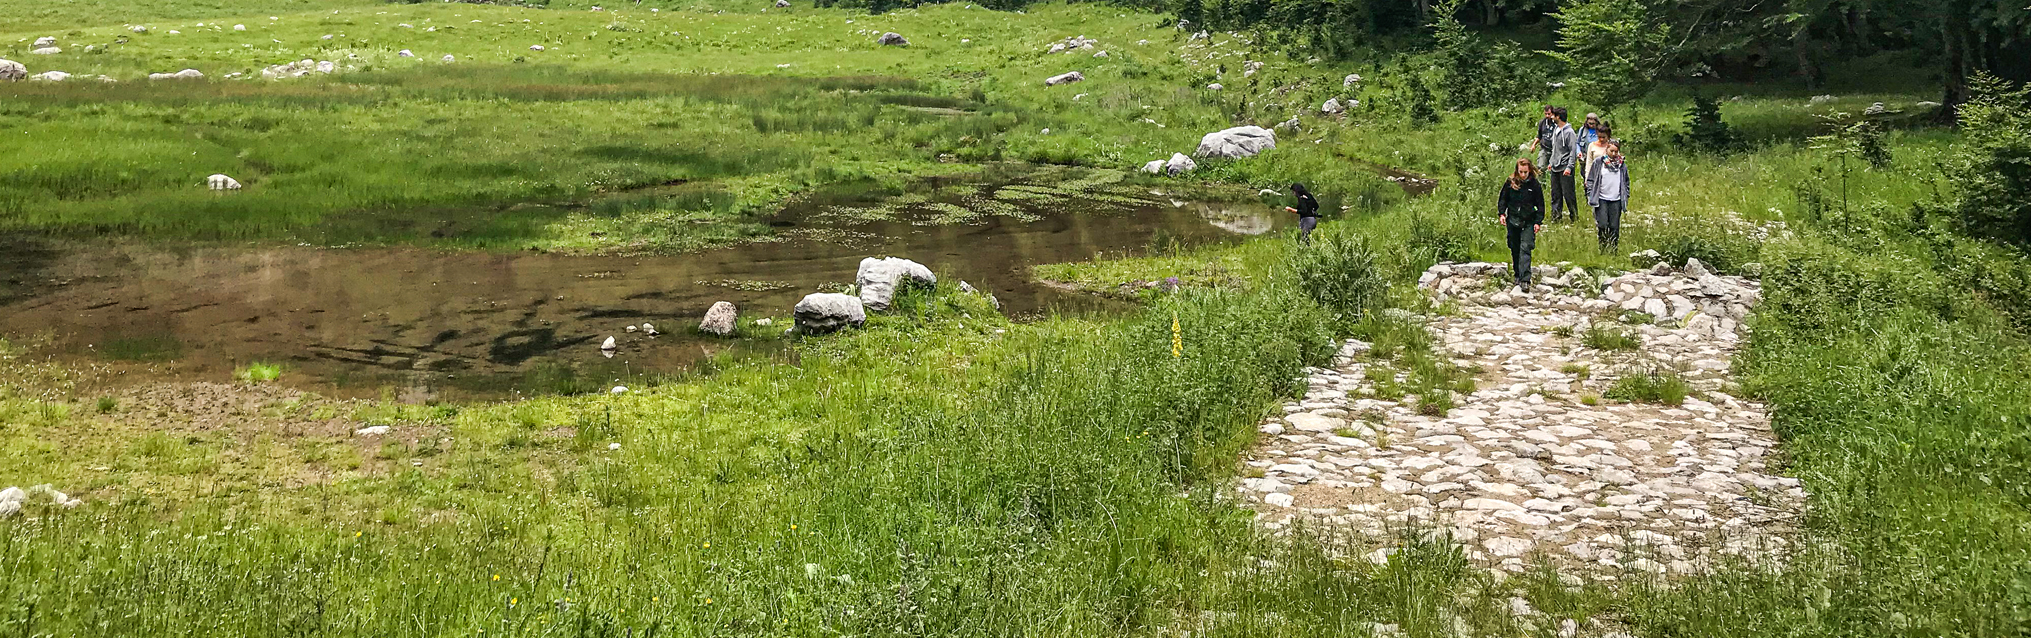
{"x":1524,"y":205}
{"x":1307,"y":206}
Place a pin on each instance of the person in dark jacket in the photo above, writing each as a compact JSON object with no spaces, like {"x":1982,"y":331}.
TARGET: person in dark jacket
{"x":1608,"y":191}
{"x":1520,"y":208}
{"x":1307,"y":210}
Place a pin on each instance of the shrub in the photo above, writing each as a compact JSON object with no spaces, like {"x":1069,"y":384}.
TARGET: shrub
{"x":258,"y":372}
{"x":1650,"y":386}
{"x":1602,"y":337}
{"x":1992,"y":166}
{"x":1704,"y":130}
{"x":1435,"y":238}
{"x":1338,"y":270}
{"x":1724,"y":243}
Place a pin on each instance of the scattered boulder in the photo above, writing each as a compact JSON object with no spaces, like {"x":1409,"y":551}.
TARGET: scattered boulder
{"x":536,"y":47}
{"x":1874,"y":109}
{"x":140,"y":29}
{"x":1351,"y":80}
{"x":893,"y":39}
{"x":1179,"y":165}
{"x":1695,"y":269}
{"x":1067,"y":78}
{"x":220,"y":182}
{"x":609,"y":345}
{"x":878,"y":279}
{"x":719,"y":320}
{"x":1214,"y":86}
{"x":1237,"y":142}
{"x":827,"y":312}
{"x":405,"y":53}
{"x":44,"y":42}
{"x":1332,"y":107}
{"x":13,"y":499}
{"x":239,"y":27}
{"x":51,"y":76}
{"x":1249,"y":68}
{"x":46,"y":51}
{"x":782,"y":4}
{"x":371,"y":430}
{"x":448,"y":58}
{"x":1154,"y":167}
{"x":11,"y":70}
{"x":1290,"y":125}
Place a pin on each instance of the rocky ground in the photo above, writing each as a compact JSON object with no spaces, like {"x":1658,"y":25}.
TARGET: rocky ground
{"x":1535,"y":463}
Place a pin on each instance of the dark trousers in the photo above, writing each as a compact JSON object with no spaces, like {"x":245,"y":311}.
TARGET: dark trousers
{"x":1305,"y":226}
{"x":1608,"y":223}
{"x":1522,"y":240}
{"x":1561,"y":198}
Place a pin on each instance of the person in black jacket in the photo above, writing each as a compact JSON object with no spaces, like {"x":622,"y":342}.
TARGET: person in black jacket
{"x":1520,"y":207}
{"x":1307,"y":210}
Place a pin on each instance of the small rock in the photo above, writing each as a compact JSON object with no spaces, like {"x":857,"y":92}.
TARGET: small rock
{"x":371,"y":430}
{"x":1066,"y":78}
{"x":619,"y":389}
{"x":892,"y":39}
{"x":826,"y":312}
{"x":220,"y":182}
{"x":609,"y":344}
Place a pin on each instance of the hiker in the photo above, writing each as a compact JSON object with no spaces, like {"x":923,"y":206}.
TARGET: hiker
{"x":1588,"y":133}
{"x":1593,"y":152}
{"x":1608,"y":191}
{"x":1544,"y":129}
{"x":1520,"y":208}
{"x":1307,"y":210}
{"x":1557,"y":158}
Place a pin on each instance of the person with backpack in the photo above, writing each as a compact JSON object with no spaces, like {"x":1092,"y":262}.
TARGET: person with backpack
{"x":1307,"y":210}
{"x":1608,"y":192}
{"x":1520,"y":209}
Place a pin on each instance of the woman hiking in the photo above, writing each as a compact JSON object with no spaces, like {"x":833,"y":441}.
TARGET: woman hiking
{"x":1520,"y":208}
{"x":1608,"y":191}
{"x":1307,"y":210}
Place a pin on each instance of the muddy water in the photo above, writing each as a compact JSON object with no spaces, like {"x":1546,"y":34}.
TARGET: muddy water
{"x":427,"y":324}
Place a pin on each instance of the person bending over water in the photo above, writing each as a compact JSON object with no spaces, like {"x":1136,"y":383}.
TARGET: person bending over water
{"x":1520,"y":208}
{"x":1307,"y":210}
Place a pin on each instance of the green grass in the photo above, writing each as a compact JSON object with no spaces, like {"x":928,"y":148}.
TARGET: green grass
{"x":1601,"y":336}
{"x":943,"y":472}
{"x":1661,"y":387}
{"x":258,"y":372}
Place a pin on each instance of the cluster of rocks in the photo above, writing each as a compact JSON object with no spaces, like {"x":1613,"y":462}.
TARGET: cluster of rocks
{"x":1234,"y":143}
{"x":1073,"y":44}
{"x":299,"y":69}
{"x":1533,"y":463}
{"x":1693,"y":296}
{"x":13,"y":499}
{"x":876,"y":283}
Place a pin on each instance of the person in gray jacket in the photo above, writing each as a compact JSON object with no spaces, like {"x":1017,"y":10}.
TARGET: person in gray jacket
{"x":1608,"y":192}
{"x":1557,"y":157}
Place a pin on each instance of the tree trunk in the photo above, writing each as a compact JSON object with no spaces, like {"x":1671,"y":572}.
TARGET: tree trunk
{"x":1491,"y":13}
{"x":1955,"y":33}
{"x":1808,"y":64}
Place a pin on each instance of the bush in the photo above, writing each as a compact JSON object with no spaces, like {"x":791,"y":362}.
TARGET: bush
{"x":1435,"y":238}
{"x":1704,"y":131}
{"x":1338,"y":270}
{"x":1992,"y":167}
{"x":1724,"y":243}
{"x":1650,"y":386}
{"x":1602,"y":337}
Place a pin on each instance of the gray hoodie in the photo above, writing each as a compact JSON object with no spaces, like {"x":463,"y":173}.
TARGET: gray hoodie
{"x":1557,"y":156}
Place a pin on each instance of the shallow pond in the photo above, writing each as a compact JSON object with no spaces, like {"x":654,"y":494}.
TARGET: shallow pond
{"x":424,"y":324}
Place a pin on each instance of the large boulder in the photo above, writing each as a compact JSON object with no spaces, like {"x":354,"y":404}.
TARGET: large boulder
{"x":719,"y":320}
{"x":1237,"y":142}
{"x":825,"y":312}
{"x":1067,"y":78}
{"x":893,"y":39}
{"x":1180,"y":165}
{"x":879,"y":279}
{"x":11,"y":71}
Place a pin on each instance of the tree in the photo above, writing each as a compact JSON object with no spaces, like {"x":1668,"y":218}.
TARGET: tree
{"x":1992,"y":167}
{"x":1473,"y":73}
{"x":1611,"y":49}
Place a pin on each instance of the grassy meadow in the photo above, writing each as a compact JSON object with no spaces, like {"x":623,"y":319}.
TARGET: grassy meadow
{"x":944,"y":471}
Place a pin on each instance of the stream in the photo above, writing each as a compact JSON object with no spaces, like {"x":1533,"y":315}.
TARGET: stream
{"x":422,"y":324}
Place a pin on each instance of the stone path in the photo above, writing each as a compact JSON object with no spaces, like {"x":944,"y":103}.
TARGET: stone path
{"x":1534,"y":463}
